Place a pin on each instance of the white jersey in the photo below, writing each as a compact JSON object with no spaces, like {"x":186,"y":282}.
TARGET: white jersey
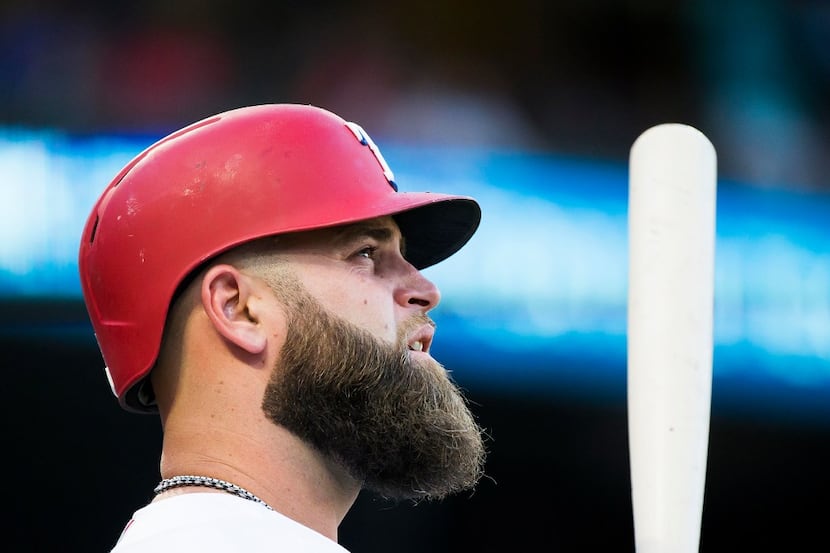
{"x":213,"y":523}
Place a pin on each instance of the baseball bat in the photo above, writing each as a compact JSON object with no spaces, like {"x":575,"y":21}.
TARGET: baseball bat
{"x":671,"y":225}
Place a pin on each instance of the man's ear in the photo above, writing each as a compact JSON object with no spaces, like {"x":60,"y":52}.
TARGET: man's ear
{"x":226,"y":298}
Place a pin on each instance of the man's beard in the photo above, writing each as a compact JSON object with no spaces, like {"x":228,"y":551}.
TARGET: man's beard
{"x":399,"y":426}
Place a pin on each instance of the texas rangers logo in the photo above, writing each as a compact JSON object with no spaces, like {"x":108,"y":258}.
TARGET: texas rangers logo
{"x":364,"y":139}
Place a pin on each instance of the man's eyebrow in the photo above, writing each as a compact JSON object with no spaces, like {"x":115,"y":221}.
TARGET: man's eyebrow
{"x":375,"y":232}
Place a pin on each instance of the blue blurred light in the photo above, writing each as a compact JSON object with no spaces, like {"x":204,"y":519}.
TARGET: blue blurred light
{"x":538,"y":297}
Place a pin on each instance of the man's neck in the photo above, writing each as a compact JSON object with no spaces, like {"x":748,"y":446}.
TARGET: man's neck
{"x":271,"y":463}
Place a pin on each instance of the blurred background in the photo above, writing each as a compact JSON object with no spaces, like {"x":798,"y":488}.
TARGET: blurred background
{"x":532,"y":107}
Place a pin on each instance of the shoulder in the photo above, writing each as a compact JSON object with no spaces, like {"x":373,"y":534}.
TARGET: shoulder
{"x":212,"y":523}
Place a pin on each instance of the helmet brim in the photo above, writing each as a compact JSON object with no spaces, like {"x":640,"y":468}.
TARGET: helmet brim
{"x":435,"y":230}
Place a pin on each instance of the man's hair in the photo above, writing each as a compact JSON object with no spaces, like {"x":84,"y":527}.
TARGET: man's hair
{"x":260,"y":258}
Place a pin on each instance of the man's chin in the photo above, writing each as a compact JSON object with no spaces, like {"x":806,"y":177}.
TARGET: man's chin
{"x":426,"y":361}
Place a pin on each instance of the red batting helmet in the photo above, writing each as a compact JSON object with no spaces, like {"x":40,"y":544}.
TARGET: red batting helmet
{"x":234,"y":177}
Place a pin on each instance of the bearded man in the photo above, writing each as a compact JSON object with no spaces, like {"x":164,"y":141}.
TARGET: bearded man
{"x":254,"y":279}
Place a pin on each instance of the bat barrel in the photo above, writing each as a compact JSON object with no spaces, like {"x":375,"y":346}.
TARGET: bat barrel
{"x":671,"y":224}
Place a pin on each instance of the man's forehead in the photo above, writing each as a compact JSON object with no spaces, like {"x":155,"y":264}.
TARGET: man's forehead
{"x":378,"y":226}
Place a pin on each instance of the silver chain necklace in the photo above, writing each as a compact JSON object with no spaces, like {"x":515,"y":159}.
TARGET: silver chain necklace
{"x":208,"y":482}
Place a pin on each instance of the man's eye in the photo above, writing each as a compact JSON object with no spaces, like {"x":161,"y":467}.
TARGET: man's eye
{"x":368,"y":252}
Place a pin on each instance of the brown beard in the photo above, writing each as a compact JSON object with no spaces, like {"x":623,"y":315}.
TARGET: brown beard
{"x":401,"y":427}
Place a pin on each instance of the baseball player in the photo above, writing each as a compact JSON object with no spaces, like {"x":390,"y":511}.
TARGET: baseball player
{"x":254,"y":280}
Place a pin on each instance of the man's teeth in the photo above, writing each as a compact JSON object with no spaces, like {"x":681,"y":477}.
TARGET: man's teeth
{"x":416,"y":346}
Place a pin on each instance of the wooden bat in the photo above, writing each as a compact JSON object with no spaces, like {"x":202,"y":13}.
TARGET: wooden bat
{"x":671,"y":224}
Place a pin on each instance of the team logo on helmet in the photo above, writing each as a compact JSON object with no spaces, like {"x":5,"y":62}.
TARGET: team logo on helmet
{"x":366,"y":140}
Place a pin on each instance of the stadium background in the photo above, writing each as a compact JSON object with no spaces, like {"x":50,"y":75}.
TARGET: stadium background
{"x":568,"y":83}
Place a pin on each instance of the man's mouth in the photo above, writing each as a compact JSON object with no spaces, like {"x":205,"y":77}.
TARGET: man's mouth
{"x":419,"y":338}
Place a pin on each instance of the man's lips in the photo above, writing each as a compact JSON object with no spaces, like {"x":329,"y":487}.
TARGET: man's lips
{"x":421,"y":339}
